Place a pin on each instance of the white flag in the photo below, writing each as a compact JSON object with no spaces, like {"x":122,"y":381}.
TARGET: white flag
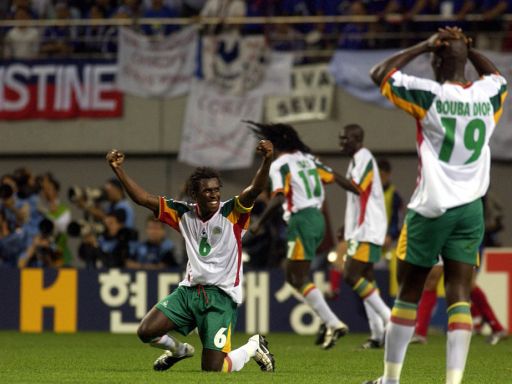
{"x":213,"y":132}
{"x":163,"y":67}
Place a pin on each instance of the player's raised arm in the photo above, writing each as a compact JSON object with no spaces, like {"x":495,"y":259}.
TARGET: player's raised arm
{"x":438,"y":40}
{"x":115,"y":159}
{"x":482,"y":64}
{"x":258,"y":184}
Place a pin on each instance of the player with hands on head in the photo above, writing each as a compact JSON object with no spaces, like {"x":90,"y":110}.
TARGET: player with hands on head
{"x":455,"y":120}
{"x":211,"y":291}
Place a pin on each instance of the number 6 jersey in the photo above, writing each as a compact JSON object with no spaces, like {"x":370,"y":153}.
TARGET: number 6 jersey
{"x":454,"y":125}
{"x":214,"y":247}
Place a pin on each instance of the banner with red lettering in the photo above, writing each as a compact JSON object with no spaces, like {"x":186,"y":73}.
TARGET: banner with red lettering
{"x":59,"y":89}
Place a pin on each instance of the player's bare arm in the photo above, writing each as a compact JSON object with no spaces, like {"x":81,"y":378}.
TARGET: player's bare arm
{"x":438,"y":40}
{"x":346,"y":184}
{"x":139,"y":196}
{"x":482,"y":64}
{"x":258,"y":184}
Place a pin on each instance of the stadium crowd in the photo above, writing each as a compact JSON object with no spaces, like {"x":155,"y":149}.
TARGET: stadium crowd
{"x":27,"y":42}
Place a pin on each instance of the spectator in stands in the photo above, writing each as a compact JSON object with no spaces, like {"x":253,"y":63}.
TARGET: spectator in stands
{"x":223,"y":9}
{"x":59,"y":213}
{"x":192,"y":8}
{"x":22,"y":42}
{"x":353,"y":35}
{"x":43,"y":9}
{"x":13,"y":242}
{"x":100,"y":39}
{"x":157,"y":252}
{"x":129,"y":8}
{"x":159,"y":10}
{"x":116,"y":200}
{"x":60,"y":40}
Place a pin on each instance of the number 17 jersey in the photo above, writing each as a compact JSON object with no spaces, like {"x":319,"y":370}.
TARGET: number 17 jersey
{"x":454,"y":126}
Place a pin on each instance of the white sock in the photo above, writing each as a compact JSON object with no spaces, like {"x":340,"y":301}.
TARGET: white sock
{"x":316,"y":300}
{"x":379,"y":306}
{"x":375,"y":322}
{"x":169,"y":343}
{"x":235,"y":360}
{"x":457,"y":347}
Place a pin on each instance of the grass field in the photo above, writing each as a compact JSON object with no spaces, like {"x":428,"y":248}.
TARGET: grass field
{"x":106,"y":358}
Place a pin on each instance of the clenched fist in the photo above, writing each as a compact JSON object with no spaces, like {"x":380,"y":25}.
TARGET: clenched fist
{"x":265,"y":149}
{"x":115,"y":158}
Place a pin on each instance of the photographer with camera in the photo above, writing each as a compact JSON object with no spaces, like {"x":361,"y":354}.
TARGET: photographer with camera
{"x":13,"y":242}
{"x":43,"y":251}
{"x":112,"y":248}
{"x":16,"y":211}
{"x":157,"y":252}
{"x":56,"y":211}
{"x":91,"y":201}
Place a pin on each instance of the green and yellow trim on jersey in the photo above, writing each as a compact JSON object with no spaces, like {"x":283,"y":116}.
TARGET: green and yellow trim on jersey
{"x":365,"y":188}
{"x":416,"y":102}
{"x":326,"y":173}
{"x":498,"y":101}
{"x":236,"y":213}
{"x":171,"y":211}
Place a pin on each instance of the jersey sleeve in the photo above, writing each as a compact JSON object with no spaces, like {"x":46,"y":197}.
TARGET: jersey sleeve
{"x":498,"y":85}
{"x":236,"y":213}
{"x":362,"y":175}
{"x":279,"y":178}
{"x":326,"y":173}
{"x":171,"y":211}
{"x":409,"y":93}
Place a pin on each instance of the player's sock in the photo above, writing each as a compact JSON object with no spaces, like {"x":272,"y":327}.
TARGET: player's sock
{"x":369,"y":294}
{"x":398,"y":335}
{"x":169,"y":343}
{"x":459,"y":337}
{"x":316,"y":300}
{"x":425,"y":308}
{"x":235,"y":360}
{"x":479,"y":298}
{"x":375,"y":322}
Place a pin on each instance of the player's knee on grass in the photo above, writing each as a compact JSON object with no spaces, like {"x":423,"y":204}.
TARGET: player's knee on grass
{"x":212,"y":361}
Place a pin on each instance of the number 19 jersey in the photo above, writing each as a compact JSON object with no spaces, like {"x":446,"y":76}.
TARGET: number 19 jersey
{"x":300,"y":177}
{"x":454,"y":125}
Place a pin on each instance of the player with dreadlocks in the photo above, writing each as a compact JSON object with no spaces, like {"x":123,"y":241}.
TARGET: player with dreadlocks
{"x":296,"y":184}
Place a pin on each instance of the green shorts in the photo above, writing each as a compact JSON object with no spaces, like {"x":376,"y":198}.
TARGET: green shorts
{"x":306,"y":230}
{"x":364,"y":251}
{"x":456,"y":235}
{"x":208,"y":308}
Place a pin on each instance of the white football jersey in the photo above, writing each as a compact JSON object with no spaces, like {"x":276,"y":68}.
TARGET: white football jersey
{"x":365,"y":214}
{"x":300,"y":178}
{"x":454,"y":125}
{"x":214,"y":247}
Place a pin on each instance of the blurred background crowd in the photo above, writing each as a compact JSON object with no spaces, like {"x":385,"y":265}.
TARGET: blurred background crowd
{"x":369,"y":24}
{"x":94,"y":227}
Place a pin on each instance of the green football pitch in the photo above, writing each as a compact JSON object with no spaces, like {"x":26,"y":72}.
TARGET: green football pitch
{"x":106,"y":358}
